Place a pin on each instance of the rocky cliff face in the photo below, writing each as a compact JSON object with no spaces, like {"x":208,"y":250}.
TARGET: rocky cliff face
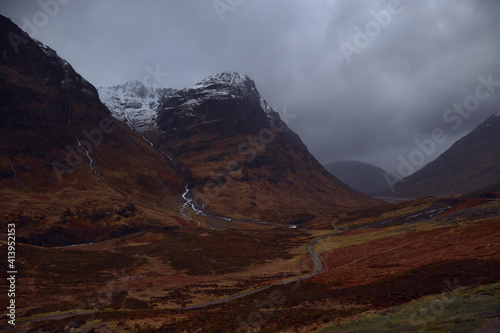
{"x":26,"y":58}
{"x":224,"y":103}
{"x":69,"y":171}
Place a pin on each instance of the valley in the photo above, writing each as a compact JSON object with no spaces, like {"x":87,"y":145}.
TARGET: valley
{"x":141,"y":209}
{"x":357,"y":273}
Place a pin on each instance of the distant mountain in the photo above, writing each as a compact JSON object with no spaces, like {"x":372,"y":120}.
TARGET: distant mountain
{"x":239,"y":158}
{"x":473,"y":162}
{"x":363,"y":177}
{"x":134,"y":103}
{"x":69,"y":171}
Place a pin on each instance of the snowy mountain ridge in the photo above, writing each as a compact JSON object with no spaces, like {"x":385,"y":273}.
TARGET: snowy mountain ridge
{"x":224,"y":85}
{"x":137,"y":105}
{"x":134,"y":103}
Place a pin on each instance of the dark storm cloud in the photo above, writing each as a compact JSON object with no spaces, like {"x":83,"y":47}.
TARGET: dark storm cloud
{"x":395,"y":89}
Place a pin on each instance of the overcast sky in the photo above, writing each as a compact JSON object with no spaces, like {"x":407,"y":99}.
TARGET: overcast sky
{"x":356,"y":88}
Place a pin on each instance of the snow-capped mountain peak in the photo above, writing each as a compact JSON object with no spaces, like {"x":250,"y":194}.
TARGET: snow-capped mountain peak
{"x":226,"y":85}
{"x":137,"y":105}
{"x":229,"y":78}
{"x":133,"y":103}
{"x":222,"y":86}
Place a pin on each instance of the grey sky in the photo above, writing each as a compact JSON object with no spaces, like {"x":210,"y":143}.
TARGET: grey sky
{"x":418,"y":62}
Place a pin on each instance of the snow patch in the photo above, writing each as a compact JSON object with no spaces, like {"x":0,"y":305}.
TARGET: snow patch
{"x":133,"y":103}
{"x":230,"y":78}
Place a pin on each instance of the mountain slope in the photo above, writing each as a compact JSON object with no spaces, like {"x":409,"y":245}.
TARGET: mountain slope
{"x":363,"y":177}
{"x":471,"y":163}
{"x":241,"y":159}
{"x":69,"y":172}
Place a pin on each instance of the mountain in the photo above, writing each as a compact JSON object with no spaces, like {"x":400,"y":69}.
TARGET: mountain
{"x":473,"y":162}
{"x":238,"y":156}
{"x":69,"y":171}
{"x":363,"y":177}
{"x":133,"y":103}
